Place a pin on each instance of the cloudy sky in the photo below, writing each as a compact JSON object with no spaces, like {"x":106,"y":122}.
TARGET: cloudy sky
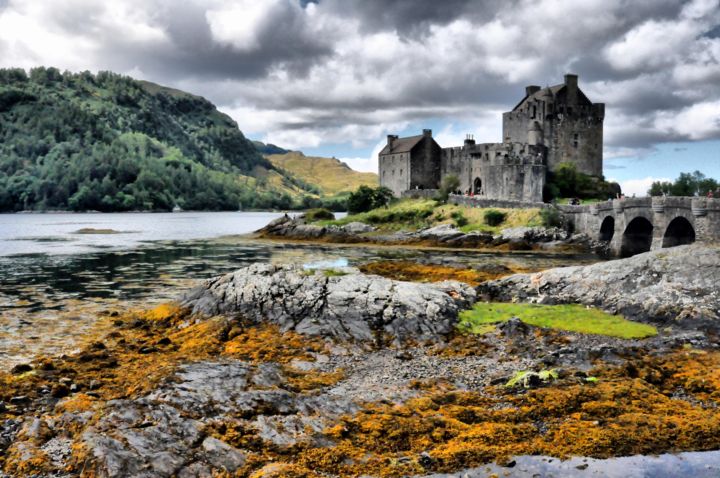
{"x":333,"y":77}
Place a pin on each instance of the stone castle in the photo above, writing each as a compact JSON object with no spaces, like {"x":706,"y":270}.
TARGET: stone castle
{"x":549,"y":126}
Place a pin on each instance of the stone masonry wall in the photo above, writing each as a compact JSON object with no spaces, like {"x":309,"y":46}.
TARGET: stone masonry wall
{"x":425,"y":165}
{"x":394,"y":171}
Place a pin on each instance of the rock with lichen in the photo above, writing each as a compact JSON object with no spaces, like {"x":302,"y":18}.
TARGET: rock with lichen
{"x":348,"y":306}
{"x":669,"y":286}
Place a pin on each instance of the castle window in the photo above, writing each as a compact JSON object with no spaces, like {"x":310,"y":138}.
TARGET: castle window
{"x":401,"y":172}
{"x":576,"y":140}
{"x":393,"y":172}
{"x":534,"y":111}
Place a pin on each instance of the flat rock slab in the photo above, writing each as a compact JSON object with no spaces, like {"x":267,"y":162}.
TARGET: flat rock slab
{"x":163,"y":434}
{"x":680,"y":284}
{"x":355,"y":306}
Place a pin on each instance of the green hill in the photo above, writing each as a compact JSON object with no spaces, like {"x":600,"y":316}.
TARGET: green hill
{"x":330,"y":175}
{"x":269,"y":148}
{"x":110,"y":143}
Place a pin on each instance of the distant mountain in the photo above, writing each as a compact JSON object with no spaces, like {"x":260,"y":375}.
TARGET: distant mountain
{"x":111,"y":143}
{"x":263,"y":148}
{"x":330,"y":175}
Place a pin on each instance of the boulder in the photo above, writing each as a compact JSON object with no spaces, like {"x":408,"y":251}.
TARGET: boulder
{"x":680,"y":284}
{"x":354,"y":306}
{"x":443,"y":232}
{"x":357,"y":228}
{"x":532,"y":234}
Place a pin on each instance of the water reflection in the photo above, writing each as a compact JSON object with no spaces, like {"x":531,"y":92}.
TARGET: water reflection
{"x":48,"y":302}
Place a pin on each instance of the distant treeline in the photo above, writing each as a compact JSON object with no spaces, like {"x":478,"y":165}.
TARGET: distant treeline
{"x":110,"y":143}
{"x":687,"y":184}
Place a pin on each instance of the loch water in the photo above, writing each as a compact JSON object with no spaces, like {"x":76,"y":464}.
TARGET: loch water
{"x":60,"y":272}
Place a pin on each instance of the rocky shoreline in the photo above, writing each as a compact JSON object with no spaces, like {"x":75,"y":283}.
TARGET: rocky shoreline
{"x":279,"y":371}
{"x":444,"y":235}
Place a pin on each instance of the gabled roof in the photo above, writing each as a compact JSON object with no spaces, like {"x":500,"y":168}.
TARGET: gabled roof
{"x":554,"y":91}
{"x":402,"y":145}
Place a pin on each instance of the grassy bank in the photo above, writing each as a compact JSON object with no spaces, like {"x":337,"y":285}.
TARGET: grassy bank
{"x":570,"y":317}
{"x":414,"y":214}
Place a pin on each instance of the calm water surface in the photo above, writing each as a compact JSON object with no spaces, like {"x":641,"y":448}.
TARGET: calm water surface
{"x":55,"y":282}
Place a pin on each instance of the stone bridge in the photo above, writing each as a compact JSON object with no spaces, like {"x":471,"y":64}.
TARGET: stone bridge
{"x":635,"y":225}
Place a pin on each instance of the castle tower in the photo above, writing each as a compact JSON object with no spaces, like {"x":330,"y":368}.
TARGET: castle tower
{"x":562,"y":119}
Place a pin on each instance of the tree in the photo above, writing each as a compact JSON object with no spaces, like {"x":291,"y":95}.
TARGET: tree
{"x":366,"y":198}
{"x":567,"y":182}
{"x":381,"y":197}
{"x":687,"y":184}
{"x":449,"y":184}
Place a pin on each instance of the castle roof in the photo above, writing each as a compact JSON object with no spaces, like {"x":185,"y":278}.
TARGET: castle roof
{"x":402,"y":145}
{"x":551,"y":92}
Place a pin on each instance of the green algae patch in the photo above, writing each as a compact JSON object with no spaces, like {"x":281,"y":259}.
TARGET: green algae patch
{"x":570,"y":317}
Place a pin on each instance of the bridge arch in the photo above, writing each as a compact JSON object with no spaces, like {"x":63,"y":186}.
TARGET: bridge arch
{"x":637,"y":237}
{"x":680,"y":231}
{"x":607,"y":229}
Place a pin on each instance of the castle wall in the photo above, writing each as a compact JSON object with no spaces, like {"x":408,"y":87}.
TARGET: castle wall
{"x":456,"y":161}
{"x":425,"y":170}
{"x":515,"y":126}
{"x":496,"y":170}
{"x":576,"y":139}
{"x":514,"y":181}
{"x":394,"y":170}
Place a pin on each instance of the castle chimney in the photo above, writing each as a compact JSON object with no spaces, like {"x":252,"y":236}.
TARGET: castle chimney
{"x":427,"y":133}
{"x":469,"y":140}
{"x":391,"y":139}
{"x":571,"y":85}
{"x":530,"y":89}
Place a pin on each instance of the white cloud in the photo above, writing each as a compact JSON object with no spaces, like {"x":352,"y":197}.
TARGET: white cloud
{"x":366,"y":164}
{"x":639,"y":187}
{"x":240,"y":24}
{"x":697,"y":122}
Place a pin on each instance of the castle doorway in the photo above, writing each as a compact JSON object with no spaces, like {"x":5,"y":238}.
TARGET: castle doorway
{"x":637,"y":237}
{"x":477,"y":186}
{"x":679,"y":232}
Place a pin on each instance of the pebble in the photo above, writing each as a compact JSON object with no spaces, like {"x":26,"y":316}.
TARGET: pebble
{"x":21,"y":368}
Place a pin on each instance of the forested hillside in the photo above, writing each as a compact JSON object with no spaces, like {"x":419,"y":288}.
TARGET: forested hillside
{"x":110,"y":143}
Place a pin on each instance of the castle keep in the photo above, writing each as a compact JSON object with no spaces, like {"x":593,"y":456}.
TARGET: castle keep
{"x":549,"y":126}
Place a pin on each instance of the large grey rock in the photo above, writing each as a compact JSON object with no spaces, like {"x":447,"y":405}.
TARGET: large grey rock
{"x":357,"y":228}
{"x":532,"y":234}
{"x":353,"y":306}
{"x":680,"y":283}
{"x":164,"y":434}
{"x":440,"y":232}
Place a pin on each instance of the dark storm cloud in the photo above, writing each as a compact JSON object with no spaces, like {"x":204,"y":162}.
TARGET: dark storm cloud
{"x":316,"y":69}
{"x":408,"y":17}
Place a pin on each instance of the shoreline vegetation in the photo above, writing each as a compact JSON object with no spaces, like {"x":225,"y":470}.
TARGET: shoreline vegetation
{"x":429,"y":223}
{"x":171,"y":389}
